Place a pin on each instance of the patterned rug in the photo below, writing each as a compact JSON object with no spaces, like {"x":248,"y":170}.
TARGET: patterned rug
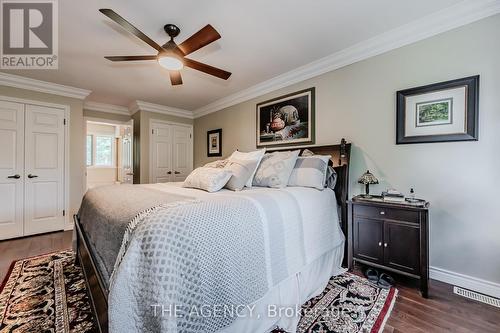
{"x":47,"y":294}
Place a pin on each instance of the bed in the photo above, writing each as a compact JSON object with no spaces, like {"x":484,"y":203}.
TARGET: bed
{"x":281,"y":253}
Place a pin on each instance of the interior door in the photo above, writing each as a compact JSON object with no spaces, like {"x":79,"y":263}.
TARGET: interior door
{"x":401,"y":246}
{"x":368,"y":239}
{"x":44,"y":169}
{"x":11,"y":169}
{"x":161,"y":141}
{"x":127,"y":173}
{"x":182,"y":154}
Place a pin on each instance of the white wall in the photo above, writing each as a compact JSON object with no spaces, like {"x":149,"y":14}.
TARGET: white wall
{"x":358,"y":102}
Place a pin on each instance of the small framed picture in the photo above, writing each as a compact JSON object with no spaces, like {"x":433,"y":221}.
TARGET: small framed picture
{"x":286,"y":120}
{"x":214,"y":143}
{"x":441,"y":112}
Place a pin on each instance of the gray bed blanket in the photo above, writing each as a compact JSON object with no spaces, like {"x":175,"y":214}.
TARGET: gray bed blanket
{"x":106,"y":212}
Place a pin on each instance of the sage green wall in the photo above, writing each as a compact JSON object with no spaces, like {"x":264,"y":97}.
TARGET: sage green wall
{"x":357,"y":102}
{"x":76,"y":138}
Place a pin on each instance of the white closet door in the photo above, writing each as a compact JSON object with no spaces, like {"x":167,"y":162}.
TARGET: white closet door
{"x":44,"y":170}
{"x":161,"y":143}
{"x":11,"y":169}
{"x":182,"y":152}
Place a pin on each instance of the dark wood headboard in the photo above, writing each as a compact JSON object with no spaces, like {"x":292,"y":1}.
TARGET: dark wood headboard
{"x":341,"y":156}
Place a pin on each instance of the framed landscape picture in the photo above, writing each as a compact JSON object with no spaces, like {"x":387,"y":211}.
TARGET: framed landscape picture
{"x":441,"y":112}
{"x":286,"y":120}
{"x":214,"y":143}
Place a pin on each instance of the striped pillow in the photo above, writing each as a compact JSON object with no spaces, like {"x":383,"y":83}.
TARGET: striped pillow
{"x":310,"y":171}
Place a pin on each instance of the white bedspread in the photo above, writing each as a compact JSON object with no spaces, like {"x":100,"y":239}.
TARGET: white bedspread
{"x":318,"y":209}
{"x":289,"y":229}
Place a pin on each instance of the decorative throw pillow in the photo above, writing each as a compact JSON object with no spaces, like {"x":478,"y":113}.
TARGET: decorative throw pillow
{"x":310,"y":171}
{"x":250,"y":156}
{"x":216,"y":164}
{"x":275,"y":169}
{"x":208,"y":179}
{"x":241,"y":170}
{"x":331,"y":177}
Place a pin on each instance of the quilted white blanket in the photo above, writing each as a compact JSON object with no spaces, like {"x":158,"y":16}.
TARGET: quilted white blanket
{"x":187,"y":267}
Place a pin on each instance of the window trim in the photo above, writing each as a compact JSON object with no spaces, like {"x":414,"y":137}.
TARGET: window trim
{"x":94,"y":152}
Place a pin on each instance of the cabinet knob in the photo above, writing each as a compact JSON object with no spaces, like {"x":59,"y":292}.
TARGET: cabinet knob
{"x":14,"y":177}
{"x":176,"y":172}
{"x":169,"y":173}
{"x":385,"y":244}
{"x":382,"y":212}
{"x":379,"y":243}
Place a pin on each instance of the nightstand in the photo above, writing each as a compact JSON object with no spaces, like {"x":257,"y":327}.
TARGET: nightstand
{"x":390,"y":236}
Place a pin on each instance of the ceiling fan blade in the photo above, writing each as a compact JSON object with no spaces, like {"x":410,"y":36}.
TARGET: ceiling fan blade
{"x":202,"y":38}
{"x":175,"y":78}
{"x":129,"y":27}
{"x":220,"y":73}
{"x":131,"y":58}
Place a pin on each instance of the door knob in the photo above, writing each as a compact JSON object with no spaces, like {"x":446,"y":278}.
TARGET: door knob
{"x":169,"y":173}
{"x":176,"y":172}
{"x":14,"y":177}
{"x":32,"y":176}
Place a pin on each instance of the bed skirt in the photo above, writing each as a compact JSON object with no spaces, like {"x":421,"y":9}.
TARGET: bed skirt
{"x":281,"y":305}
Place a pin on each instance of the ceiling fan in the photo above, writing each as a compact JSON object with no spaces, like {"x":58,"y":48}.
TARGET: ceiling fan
{"x":170,"y":55}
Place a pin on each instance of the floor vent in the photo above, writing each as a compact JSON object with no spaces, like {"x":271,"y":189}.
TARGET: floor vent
{"x":476,"y":296}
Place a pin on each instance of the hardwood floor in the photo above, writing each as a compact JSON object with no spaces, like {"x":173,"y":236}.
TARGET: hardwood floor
{"x":443,"y":311}
{"x":19,"y":248}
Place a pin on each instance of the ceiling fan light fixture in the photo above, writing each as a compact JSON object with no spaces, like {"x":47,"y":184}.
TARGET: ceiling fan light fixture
{"x":171,"y":63}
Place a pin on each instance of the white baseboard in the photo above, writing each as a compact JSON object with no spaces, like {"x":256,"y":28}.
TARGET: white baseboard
{"x":465,"y":281}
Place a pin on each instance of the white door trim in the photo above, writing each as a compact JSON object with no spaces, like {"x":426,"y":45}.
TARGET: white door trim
{"x":66,"y":109}
{"x":151,"y":122}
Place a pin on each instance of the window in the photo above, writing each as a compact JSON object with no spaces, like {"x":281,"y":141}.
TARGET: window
{"x":104,"y":150}
{"x":100,"y":150}
{"x":89,"y":150}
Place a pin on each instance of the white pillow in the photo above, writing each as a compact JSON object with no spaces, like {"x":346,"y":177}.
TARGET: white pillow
{"x":241,"y":172}
{"x":310,"y":171}
{"x":250,"y":156}
{"x":216,"y":164}
{"x":208,"y":179}
{"x":275,"y":169}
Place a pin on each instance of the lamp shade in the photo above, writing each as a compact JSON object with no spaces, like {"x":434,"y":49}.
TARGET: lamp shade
{"x":367,"y":178}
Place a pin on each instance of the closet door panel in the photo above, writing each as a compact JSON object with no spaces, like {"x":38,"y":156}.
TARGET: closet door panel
{"x":182,"y":154}
{"x":161,"y":141}
{"x":11,"y":169}
{"x":44,"y":169}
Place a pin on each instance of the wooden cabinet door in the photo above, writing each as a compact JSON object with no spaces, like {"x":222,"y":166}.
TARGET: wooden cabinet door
{"x":368,"y":239}
{"x":402,"y":246}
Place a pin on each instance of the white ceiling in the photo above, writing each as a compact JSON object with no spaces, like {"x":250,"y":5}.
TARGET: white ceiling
{"x":261,"y":39}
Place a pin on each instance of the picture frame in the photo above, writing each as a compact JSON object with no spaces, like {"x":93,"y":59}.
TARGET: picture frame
{"x":287,"y":120}
{"x":441,"y":112}
{"x":214,"y":143}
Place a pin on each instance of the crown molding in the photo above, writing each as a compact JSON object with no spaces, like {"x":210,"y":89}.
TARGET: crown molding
{"x":16,"y":81}
{"x":109,"y":108}
{"x":463,"y":13}
{"x":157,"y":108}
